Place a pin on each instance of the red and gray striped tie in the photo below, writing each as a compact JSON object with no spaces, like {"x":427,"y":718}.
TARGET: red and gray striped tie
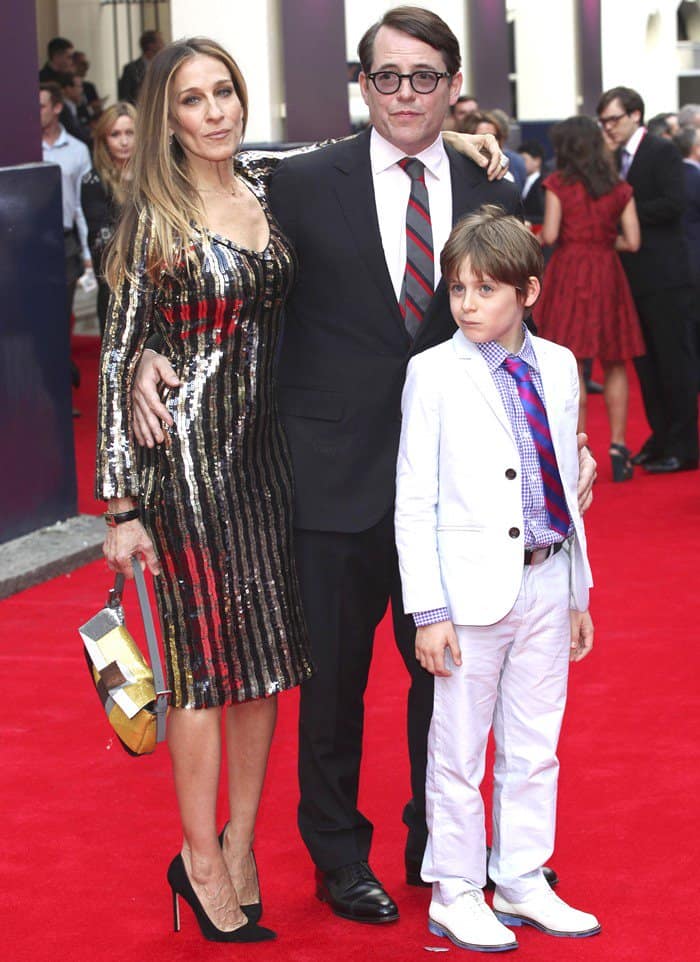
{"x":417,"y":287}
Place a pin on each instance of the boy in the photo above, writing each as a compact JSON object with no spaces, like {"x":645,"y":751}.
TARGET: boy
{"x":494,"y":569}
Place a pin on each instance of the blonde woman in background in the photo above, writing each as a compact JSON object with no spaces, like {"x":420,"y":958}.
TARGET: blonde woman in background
{"x":105,"y":187}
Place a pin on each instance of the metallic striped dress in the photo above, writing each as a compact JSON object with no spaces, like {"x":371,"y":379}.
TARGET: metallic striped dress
{"x":217,"y":499}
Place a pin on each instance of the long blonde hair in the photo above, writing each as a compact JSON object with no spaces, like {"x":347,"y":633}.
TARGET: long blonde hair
{"x":161,"y":189}
{"x":110,"y":173}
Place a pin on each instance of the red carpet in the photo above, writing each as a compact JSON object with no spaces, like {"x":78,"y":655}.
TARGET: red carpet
{"x":90,"y":831}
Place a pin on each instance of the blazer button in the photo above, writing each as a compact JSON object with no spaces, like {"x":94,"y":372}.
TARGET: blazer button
{"x":511,"y":473}
{"x":514,"y":532}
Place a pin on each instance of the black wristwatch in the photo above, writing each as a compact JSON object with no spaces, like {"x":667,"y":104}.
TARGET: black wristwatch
{"x":114,"y":519}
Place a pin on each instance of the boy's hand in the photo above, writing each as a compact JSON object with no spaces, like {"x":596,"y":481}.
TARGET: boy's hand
{"x":581,"y":634}
{"x":431,"y":641}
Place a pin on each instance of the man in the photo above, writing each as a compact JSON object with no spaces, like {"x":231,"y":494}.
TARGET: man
{"x":353,"y":321}
{"x":465,"y":104}
{"x":689,"y":115}
{"x":659,"y":277}
{"x":91,"y":98}
{"x":74,"y":117}
{"x":132,"y":76}
{"x":688,"y":142}
{"x":59,"y":54}
{"x":73,"y":157}
{"x":532,"y":154}
{"x":663,"y":125}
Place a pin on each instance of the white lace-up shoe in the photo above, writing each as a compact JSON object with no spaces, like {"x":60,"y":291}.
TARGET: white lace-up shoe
{"x":470,"y":924}
{"x":548,"y":913}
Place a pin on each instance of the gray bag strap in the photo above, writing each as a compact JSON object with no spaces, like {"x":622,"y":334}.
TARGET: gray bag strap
{"x":153,"y":651}
{"x":162,"y":692}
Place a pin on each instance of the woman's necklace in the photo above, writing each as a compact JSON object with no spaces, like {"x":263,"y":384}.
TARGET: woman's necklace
{"x":233,"y":190}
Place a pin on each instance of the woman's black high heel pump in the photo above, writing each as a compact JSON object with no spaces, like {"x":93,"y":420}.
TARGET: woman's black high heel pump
{"x":622,"y":469}
{"x":253,"y":910}
{"x":182,"y":887}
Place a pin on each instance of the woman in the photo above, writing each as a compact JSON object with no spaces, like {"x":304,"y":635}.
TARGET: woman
{"x":198,"y":260}
{"x":104,"y":188}
{"x":586,"y":303}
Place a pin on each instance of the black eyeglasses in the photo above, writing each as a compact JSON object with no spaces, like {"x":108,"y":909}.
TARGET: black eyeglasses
{"x":422,"y":81}
{"x":611,"y":121}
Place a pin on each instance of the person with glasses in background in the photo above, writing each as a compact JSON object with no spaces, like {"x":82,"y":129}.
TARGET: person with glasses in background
{"x":659,"y":276}
{"x":367,"y":217}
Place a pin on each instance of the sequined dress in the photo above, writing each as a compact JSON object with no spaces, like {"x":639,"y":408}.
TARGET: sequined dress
{"x":217,"y":500}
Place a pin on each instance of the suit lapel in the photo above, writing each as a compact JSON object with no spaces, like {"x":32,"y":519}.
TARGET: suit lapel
{"x":476,"y":368}
{"x":354,"y":189}
{"x":554,"y":388}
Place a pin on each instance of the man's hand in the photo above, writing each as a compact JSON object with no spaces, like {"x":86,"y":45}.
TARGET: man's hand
{"x":149,"y":411}
{"x":581,"y":635}
{"x":483,"y":149}
{"x":587,"y":473}
{"x":431,"y":641}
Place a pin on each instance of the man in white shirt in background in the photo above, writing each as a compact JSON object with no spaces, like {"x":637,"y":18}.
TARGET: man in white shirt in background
{"x":73,"y":157}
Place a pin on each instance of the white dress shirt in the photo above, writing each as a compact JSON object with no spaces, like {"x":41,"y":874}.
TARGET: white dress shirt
{"x":529,"y":181}
{"x":392,"y":187}
{"x":73,"y":158}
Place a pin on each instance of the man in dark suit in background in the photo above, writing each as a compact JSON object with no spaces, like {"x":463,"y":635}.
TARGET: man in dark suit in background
{"x":532,"y":153}
{"x":688,"y":142}
{"x":132,"y":76}
{"x":659,"y":276}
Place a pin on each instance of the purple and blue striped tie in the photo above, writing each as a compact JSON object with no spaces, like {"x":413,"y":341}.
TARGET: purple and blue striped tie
{"x":536,"y":415}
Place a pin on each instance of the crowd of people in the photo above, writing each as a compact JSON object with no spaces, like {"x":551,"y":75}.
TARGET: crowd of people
{"x":259,"y":312}
{"x":617,"y":186}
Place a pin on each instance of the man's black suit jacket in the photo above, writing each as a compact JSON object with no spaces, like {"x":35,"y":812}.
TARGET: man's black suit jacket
{"x":691,"y":218}
{"x":656,"y":176}
{"x":345,"y":347}
{"x":533,"y":202}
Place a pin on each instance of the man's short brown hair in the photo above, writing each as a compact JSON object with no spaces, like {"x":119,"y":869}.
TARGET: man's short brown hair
{"x":54,"y":91}
{"x":419,"y":23}
{"x":497,"y":244}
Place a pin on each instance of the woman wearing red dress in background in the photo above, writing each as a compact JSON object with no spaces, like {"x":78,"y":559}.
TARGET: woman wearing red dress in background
{"x":586,"y":303}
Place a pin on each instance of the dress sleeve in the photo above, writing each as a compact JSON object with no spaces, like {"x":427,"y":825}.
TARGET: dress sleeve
{"x":554,"y":183}
{"x":129,"y":322}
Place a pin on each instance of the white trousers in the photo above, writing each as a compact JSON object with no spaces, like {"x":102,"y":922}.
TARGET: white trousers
{"x":513,"y":676}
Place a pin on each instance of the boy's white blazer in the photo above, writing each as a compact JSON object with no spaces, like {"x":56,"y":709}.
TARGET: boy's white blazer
{"x":459,"y":514}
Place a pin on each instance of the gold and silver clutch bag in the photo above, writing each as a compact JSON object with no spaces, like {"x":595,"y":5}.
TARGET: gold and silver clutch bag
{"x":132,"y":692}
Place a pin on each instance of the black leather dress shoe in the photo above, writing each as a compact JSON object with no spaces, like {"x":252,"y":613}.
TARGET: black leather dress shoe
{"x":413,"y":876}
{"x":354,"y":892}
{"x":670,"y":465}
{"x":643,"y":456}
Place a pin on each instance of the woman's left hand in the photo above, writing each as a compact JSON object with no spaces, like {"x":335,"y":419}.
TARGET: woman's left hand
{"x":125,"y":541}
{"x":483,"y":149}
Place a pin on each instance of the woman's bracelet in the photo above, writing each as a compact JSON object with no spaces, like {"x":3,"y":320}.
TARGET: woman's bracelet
{"x":114,"y":519}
